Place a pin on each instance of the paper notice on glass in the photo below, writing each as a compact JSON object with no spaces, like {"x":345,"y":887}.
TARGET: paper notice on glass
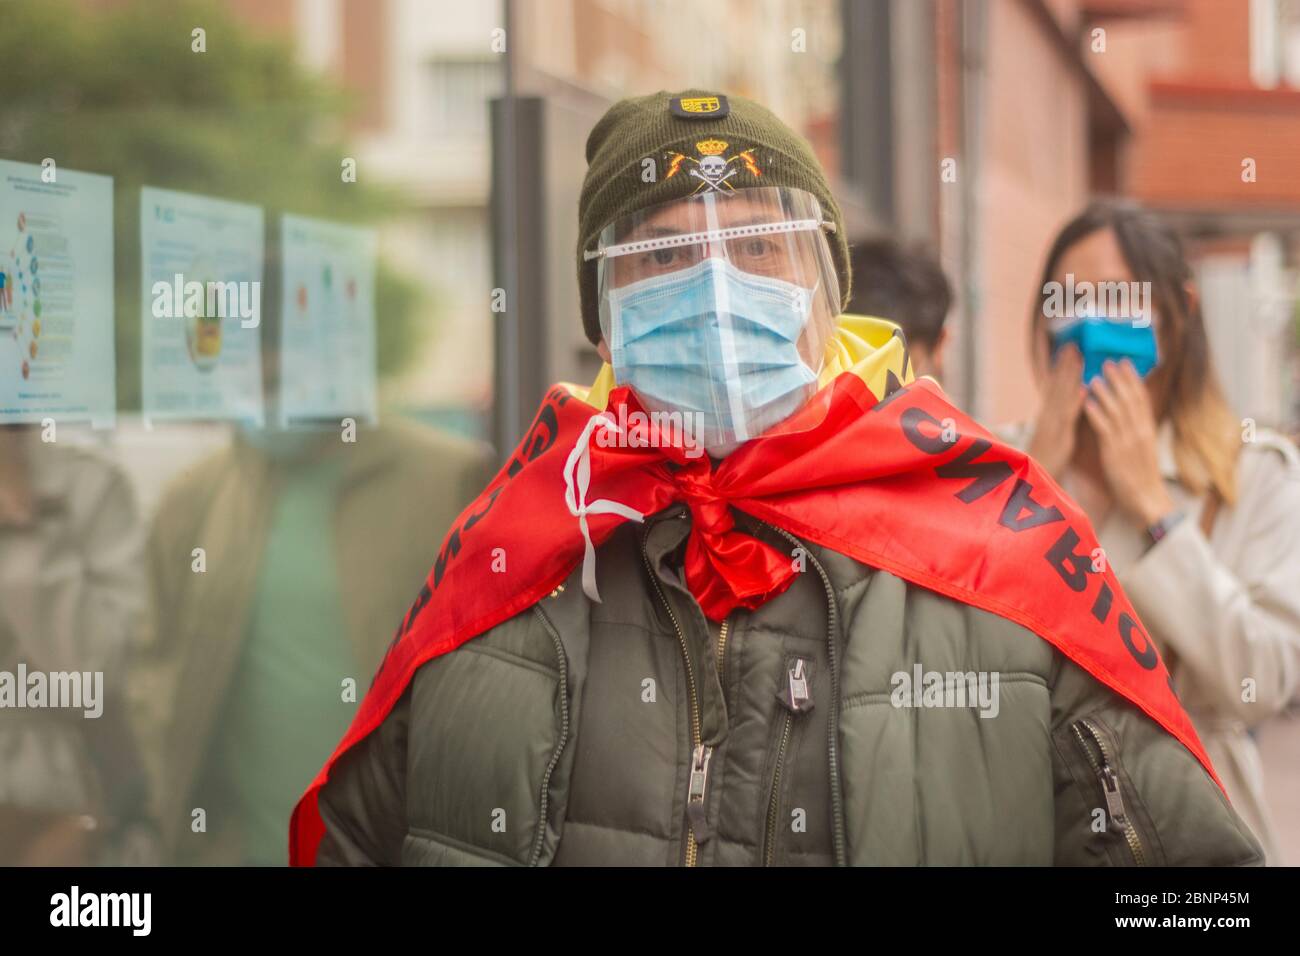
{"x":327,"y":345}
{"x":56,"y":295}
{"x":201,"y":309}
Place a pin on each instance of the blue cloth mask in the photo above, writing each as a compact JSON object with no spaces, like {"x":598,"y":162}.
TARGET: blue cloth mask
{"x":1099,"y":338}
{"x":716,"y":343}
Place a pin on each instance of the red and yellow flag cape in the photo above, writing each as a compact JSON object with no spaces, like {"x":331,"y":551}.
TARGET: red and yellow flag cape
{"x":875,"y":466}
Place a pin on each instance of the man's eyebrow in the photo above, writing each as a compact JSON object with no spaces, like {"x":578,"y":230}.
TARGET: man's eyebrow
{"x":650,"y":231}
{"x":752,"y":221}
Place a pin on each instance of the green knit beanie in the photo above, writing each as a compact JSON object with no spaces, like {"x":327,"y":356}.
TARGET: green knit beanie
{"x":630,"y":154}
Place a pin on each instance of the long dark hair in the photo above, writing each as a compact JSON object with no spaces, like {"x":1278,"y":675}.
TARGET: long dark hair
{"x":1184,"y":386}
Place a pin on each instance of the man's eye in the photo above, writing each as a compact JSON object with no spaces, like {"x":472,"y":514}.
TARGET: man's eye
{"x":664,"y":257}
{"x":756,"y":248}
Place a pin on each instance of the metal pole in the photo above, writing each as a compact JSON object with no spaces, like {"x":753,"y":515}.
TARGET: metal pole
{"x":507,"y":398}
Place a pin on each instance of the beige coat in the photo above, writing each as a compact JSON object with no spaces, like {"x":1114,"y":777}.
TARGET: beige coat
{"x":1225,"y":611}
{"x":72,"y":597}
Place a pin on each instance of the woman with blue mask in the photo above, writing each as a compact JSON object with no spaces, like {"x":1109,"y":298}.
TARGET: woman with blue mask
{"x":1197,"y":515}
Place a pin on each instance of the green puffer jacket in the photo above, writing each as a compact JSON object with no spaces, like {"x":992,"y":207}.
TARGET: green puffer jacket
{"x":630,"y":732}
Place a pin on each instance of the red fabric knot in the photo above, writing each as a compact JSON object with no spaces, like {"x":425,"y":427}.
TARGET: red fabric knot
{"x":726,"y":568}
{"x":710,"y":513}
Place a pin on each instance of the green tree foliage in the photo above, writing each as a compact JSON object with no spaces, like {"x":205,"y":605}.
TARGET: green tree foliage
{"x":119,"y":91}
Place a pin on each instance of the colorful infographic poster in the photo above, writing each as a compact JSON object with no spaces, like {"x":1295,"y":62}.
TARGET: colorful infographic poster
{"x":327,"y":347}
{"x":201,"y":263}
{"x":56,"y":295}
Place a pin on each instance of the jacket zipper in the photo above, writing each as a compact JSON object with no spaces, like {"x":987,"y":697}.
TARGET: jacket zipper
{"x":769,"y":835}
{"x":1109,"y":785}
{"x":700,"y":754}
{"x":800,"y":699}
{"x":722,"y":649}
{"x":539,"y":838}
{"x":838,"y":839}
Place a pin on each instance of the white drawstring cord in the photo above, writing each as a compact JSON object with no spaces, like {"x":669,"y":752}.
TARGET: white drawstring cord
{"x":578,"y":466}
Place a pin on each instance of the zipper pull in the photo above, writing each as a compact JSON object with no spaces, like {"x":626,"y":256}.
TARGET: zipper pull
{"x":797,"y":694}
{"x":695,"y":793}
{"x":1114,"y":801}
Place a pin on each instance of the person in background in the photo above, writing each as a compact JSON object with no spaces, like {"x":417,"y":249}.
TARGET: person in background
{"x":72,"y":597}
{"x":311,"y":548}
{"x":1197,"y":513}
{"x":908,"y":287}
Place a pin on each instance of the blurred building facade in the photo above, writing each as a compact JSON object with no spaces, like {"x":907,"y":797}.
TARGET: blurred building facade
{"x":978,"y":126}
{"x":1212,"y":90}
{"x":422,"y":75}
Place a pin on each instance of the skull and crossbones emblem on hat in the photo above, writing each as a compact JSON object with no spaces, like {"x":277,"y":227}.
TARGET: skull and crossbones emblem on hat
{"x":713,"y":169}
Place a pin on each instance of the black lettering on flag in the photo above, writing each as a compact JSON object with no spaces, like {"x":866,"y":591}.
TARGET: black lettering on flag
{"x":543,"y":433}
{"x":911,"y":419}
{"x":421,"y":600}
{"x":449,"y":551}
{"x":1101,"y":606}
{"x":401,"y":632}
{"x":987,"y":474}
{"x":1022,"y":500}
{"x":1062,"y":553}
{"x":408,"y":621}
{"x":1147,"y":657}
{"x":541,"y":436}
{"x":474,"y":518}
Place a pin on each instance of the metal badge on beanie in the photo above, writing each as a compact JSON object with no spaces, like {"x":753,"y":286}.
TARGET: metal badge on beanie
{"x":699,"y":107}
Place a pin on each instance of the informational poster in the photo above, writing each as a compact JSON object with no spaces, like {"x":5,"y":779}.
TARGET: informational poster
{"x":327,"y":347}
{"x":56,"y":295}
{"x":201,"y":263}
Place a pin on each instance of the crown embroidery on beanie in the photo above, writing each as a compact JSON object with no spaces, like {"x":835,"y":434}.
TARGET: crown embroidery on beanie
{"x":713,"y":169}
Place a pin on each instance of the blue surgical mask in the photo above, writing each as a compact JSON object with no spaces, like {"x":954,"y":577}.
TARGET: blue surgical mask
{"x":716,"y":343}
{"x":1099,"y":338}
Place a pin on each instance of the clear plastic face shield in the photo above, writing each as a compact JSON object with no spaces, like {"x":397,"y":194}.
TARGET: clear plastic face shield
{"x":720,"y":307}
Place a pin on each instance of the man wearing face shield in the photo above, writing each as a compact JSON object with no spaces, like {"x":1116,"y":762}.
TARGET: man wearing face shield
{"x":756,"y":597}
{"x":719,"y":307}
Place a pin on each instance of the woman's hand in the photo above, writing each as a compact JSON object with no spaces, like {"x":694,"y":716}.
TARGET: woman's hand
{"x":1119,"y":410}
{"x":1053,"y":441}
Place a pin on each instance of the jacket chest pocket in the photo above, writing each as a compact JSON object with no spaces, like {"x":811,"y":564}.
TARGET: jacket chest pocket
{"x":492,"y":724}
